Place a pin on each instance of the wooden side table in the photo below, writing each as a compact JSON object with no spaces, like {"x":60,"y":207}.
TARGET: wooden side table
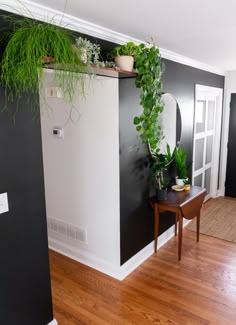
{"x":185,"y":204}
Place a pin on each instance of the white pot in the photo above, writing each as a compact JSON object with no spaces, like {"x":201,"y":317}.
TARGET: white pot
{"x":180,"y":181}
{"x":125,"y":62}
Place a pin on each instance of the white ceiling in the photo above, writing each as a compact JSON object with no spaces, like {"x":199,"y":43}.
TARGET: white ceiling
{"x":203,"y":30}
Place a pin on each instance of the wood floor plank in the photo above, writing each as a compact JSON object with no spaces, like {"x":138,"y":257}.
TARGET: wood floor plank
{"x":200,"y":289}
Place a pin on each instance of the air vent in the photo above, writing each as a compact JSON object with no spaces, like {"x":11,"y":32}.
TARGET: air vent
{"x":67,"y":230}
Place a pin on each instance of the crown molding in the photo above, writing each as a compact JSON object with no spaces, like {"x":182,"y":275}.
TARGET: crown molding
{"x":43,"y":13}
{"x":190,"y":62}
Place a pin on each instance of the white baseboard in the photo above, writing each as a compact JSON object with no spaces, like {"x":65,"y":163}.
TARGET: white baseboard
{"x":117,"y":272}
{"x":53,"y":322}
{"x":83,"y":257}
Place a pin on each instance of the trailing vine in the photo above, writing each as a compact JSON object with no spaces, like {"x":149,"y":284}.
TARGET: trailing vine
{"x":22,"y":68}
{"x":150,"y":69}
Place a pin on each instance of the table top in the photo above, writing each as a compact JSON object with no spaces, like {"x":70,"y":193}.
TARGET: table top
{"x":175,"y":198}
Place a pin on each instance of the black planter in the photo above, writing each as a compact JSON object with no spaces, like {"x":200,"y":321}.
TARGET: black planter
{"x":162,"y":194}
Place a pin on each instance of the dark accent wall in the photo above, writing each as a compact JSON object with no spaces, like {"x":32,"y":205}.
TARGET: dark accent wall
{"x":25,"y":291}
{"x":25,"y":288}
{"x":136,"y":223}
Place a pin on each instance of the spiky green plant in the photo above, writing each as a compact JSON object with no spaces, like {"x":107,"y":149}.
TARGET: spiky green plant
{"x":22,"y":66}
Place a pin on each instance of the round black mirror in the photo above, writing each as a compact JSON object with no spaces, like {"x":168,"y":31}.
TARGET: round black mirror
{"x":170,"y":122}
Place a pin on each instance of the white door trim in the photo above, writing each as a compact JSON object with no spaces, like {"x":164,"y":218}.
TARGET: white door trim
{"x":201,"y":90}
{"x":224,"y":140}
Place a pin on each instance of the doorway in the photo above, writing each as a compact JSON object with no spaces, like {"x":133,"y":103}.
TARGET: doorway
{"x":206,"y":138}
{"x":230,"y":187}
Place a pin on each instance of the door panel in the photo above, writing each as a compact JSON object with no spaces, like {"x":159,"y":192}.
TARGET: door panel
{"x":206,"y":141}
{"x":230,"y":185}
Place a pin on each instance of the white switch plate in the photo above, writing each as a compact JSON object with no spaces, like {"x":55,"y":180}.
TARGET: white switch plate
{"x":3,"y":203}
{"x":53,"y":92}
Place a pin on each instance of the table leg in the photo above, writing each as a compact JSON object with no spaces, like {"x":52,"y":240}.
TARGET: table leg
{"x":156,"y":225}
{"x":198,"y":226}
{"x":180,"y":218}
{"x":176,"y":219}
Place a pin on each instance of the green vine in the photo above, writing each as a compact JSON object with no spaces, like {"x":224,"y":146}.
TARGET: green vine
{"x":150,"y":69}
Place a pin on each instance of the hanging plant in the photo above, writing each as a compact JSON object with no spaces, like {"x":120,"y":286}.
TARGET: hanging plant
{"x":32,"y":43}
{"x":150,"y":69}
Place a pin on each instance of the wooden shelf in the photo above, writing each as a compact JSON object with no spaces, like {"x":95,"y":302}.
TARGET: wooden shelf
{"x":114,"y":73}
{"x":101,"y":71}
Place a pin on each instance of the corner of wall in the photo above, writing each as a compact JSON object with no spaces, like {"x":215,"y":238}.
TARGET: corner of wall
{"x":53,"y":322}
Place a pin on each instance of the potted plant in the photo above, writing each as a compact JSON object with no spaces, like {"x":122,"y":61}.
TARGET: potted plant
{"x":181,"y":166}
{"x":29,"y":43}
{"x":149,"y":68}
{"x":124,"y":56}
{"x":88,"y":51}
{"x":158,"y":165}
{"x":187,"y":185}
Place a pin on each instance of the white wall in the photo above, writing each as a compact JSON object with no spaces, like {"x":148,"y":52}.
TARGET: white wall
{"x":82,"y":173}
{"x":230,"y":87}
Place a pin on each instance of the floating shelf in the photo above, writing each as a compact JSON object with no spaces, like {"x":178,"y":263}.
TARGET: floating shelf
{"x":101,"y":71}
{"x":114,"y":73}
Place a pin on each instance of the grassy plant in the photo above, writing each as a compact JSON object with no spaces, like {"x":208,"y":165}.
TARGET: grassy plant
{"x":181,"y":163}
{"x":22,"y":67}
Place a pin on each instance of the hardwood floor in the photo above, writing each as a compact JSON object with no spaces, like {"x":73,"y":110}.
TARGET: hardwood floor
{"x":201,"y":289}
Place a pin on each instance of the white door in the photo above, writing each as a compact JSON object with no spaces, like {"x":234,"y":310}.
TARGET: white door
{"x":206,"y":140}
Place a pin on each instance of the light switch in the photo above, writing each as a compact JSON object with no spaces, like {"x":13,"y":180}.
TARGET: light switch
{"x":3,"y":203}
{"x":58,"y":132}
{"x":53,"y":92}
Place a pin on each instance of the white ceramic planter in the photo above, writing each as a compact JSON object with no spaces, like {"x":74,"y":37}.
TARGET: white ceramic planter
{"x":125,"y":62}
{"x":180,"y":181}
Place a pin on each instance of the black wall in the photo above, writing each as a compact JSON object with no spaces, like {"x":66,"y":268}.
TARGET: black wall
{"x":25,"y":292}
{"x":25,"y":289}
{"x":136,"y":224}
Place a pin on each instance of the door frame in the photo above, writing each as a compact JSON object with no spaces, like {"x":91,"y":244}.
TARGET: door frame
{"x":216,"y":152}
{"x":225,"y":137}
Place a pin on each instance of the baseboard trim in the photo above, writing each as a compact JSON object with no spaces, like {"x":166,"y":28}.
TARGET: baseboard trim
{"x":84,"y":257}
{"x":53,"y":322}
{"x":117,"y":272}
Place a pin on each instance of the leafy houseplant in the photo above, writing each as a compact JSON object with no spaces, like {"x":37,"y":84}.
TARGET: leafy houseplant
{"x":181,"y":166}
{"x":124,"y":55}
{"x":150,"y":69}
{"x":158,"y":164}
{"x":89,"y":52}
{"x":186,"y":185}
{"x":22,"y":66}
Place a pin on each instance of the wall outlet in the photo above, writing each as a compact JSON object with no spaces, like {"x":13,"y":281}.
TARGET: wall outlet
{"x":53,"y":92}
{"x":4,"y":203}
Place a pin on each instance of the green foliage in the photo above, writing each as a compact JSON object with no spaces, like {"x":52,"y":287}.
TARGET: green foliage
{"x":150,"y":69}
{"x":127,"y":49}
{"x":186,"y":181}
{"x":92,"y":50}
{"x":22,"y":67}
{"x":170,"y":156}
{"x":181,"y":163}
{"x":90,"y":53}
{"x":158,"y":163}
{"x":107,"y":64}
